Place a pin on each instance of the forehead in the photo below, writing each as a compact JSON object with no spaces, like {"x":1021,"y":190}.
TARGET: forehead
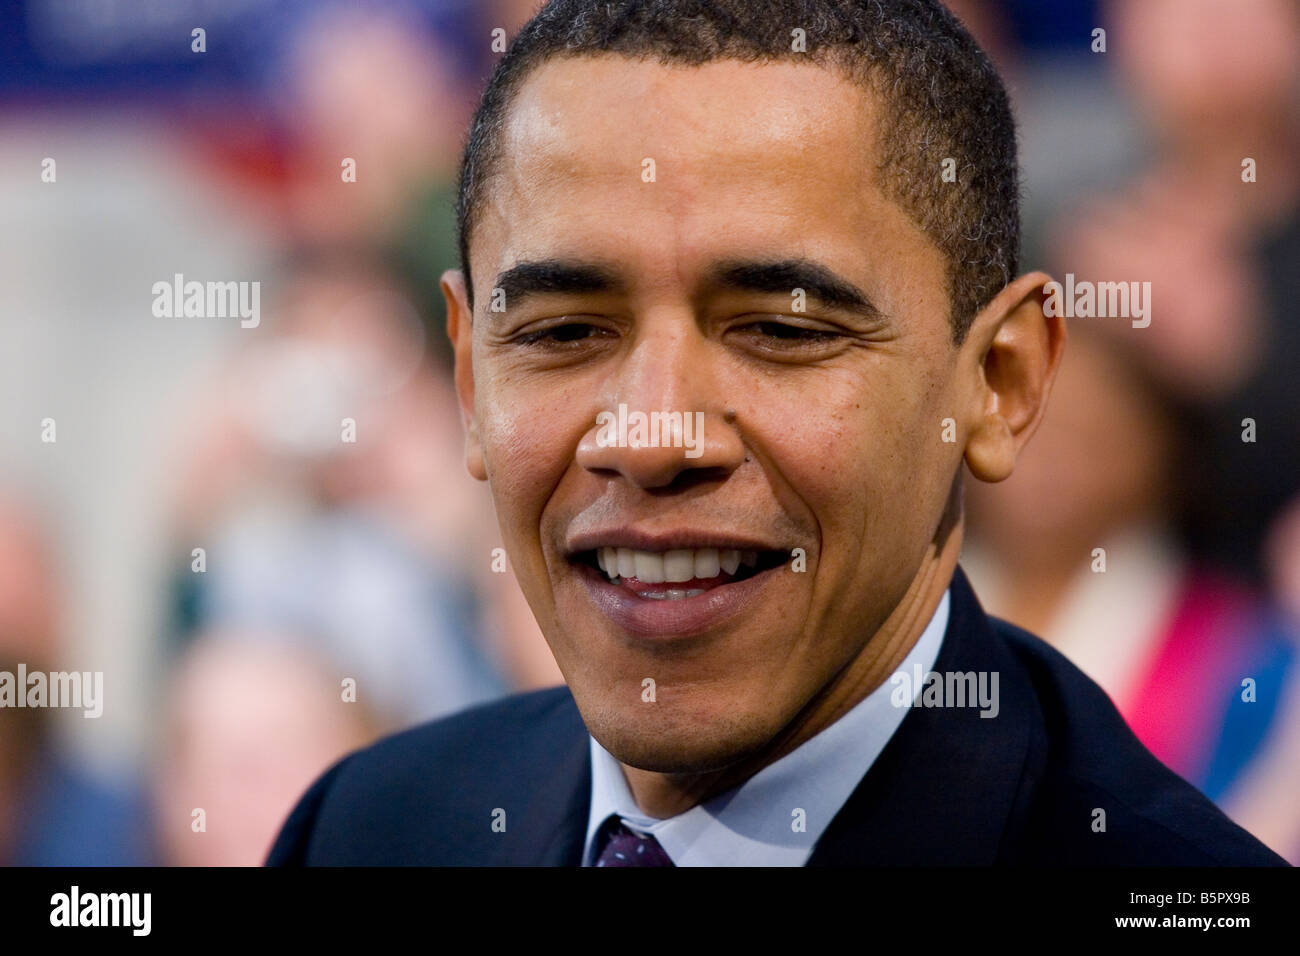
{"x":720,"y":109}
{"x":773,"y":158}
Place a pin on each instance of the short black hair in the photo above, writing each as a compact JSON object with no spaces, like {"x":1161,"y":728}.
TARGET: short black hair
{"x":942,"y":99}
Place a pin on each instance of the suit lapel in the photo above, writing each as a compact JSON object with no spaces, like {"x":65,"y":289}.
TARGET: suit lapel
{"x":547,"y":813}
{"x":569,"y":836}
{"x":944,"y":788}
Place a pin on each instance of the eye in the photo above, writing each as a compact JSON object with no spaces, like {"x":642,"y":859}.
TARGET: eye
{"x":788,"y":332}
{"x":561,"y":334}
{"x":774,"y":333}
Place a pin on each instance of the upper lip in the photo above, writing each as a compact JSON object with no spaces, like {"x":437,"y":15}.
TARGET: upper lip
{"x":684,"y":539}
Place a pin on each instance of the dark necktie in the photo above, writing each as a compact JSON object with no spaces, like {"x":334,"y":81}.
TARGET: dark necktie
{"x":624,"y":847}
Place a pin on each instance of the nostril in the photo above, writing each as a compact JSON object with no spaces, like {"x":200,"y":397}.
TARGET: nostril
{"x":690,"y":478}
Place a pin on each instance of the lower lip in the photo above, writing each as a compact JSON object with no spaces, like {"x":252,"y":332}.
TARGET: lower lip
{"x":648,"y":617}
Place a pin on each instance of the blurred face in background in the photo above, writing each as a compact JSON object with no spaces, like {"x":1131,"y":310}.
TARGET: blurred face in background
{"x":29,"y":636}
{"x":1098,"y":460}
{"x":1203,"y":63}
{"x":820,"y":428}
{"x":250,"y":725}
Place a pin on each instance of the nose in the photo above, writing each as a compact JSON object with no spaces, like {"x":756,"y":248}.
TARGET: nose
{"x":666,"y":422}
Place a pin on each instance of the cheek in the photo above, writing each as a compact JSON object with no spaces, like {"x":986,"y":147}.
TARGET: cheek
{"x":515,"y":449}
{"x":526,"y":440}
{"x":529,"y":430}
{"x":870,"y":445}
{"x":524,"y":455}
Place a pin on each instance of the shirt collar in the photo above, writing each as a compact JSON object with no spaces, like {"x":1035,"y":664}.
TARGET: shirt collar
{"x":776,"y":816}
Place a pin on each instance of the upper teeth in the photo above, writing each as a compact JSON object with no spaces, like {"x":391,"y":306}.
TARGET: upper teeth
{"x":673,"y":566}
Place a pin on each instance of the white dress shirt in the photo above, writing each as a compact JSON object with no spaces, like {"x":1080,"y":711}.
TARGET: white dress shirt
{"x":776,"y":816}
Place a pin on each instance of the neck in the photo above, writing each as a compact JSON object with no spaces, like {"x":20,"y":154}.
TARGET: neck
{"x":664,"y":795}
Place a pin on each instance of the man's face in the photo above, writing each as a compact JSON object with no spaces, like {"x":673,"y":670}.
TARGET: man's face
{"x":671,"y":288}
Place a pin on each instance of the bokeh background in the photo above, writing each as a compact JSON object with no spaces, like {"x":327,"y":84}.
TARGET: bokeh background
{"x":1141,"y":534}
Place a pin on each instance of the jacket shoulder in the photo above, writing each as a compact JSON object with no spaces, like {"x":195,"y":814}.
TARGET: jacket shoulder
{"x":425,"y":795}
{"x":1095,"y":795}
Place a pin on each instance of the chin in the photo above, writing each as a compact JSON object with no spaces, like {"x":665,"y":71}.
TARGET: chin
{"x":701,"y":744}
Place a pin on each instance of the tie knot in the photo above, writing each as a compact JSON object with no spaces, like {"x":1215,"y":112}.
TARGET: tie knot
{"x":626,"y":847}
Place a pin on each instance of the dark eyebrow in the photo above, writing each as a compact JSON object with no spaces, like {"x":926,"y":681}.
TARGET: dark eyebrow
{"x":558,"y":276}
{"x":561,"y":276}
{"x":786,"y":275}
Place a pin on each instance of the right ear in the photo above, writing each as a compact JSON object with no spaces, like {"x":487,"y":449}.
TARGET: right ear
{"x":1020,"y":349}
{"x":460,"y":329}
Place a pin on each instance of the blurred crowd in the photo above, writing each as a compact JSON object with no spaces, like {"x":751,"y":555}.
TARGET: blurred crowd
{"x":1151,"y":530}
{"x":263,"y":596}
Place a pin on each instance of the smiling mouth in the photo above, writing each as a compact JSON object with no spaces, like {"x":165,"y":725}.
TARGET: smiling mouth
{"x":680,"y":574}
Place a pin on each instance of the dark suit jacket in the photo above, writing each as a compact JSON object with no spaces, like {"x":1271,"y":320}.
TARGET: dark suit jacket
{"x":951,"y":787}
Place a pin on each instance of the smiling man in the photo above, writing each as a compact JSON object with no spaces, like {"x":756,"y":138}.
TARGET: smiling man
{"x":793,"y":224}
